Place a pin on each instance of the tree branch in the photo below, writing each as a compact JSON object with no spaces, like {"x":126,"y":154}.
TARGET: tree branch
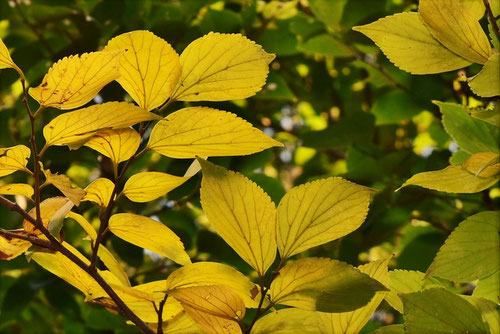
{"x":491,"y":18}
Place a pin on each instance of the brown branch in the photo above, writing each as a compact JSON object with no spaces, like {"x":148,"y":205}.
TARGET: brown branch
{"x":159,"y":311}
{"x":492,"y":19}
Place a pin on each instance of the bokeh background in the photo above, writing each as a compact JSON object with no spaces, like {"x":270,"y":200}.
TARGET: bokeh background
{"x":332,"y":98}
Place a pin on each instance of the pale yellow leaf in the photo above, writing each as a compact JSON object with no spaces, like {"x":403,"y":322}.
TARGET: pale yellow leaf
{"x":325,"y":285}
{"x":17,"y":189}
{"x":149,"y":234}
{"x":220,"y":67}
{"x":6,"y":60}
{"x":456,"y":28}
{"x":407,"y":42}
{"x":147,"y":186}
{"x":216,"y":308}
{"x":241,"y":213}
{"x":213,"y":273}
{"x":490,"y":311}
{"x":205,"y":132}
{"x":318,"y":212}
{"x":75,"y":80}
{"x":157,"y":290}
{"x":113,"y":265}
{"x":13,"y":159}
{"x":288,"y":321}
{"x":48,"y":208}
{"x":487,"y":82}
{"x":149,"y":68}
{"x":118,"y":145}
{"x":352,"y":322}
{"x":475,"y":7}
{"x":99,"y":191}
{"x":89,"y":229}
{"x":181,"y":324}
{"x":64,"y":184}
{"x":12,"y":248}
{"x":76,"y":127}
{"x":453,"y":179}
{"x":485,"y":164}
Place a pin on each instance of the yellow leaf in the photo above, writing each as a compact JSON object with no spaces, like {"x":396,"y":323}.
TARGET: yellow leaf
{"x":99,"y":192}
{"x":62,"y":267}
{"x":149,"y":68}
{"x":147,"y":186}
{"x":12,"y":248}
{"x":112,"y":264}
{"x":76,"y":127}
{"x":407,"y":42}
{"x":6,"y":60}
{"x":456,"y":28}
{"x":17,"y":189}
{"x":475,"y":7}
{"x":149,"y":234}
{"x":352,"y":322}
{"x":212,"y":273}
{"x":75,"y":80}
{"x":89,"y":229}
{"x":241,"y":213}
{"x":289,"y":321}
{"x":207,"y":132}
{"x":220,"y":67}
{"x":63,"y":183}
{"x":454,"y":179}
{"x":321,"y":284}
{"x":13,"y":159}
{"x":181,"y":324}
{"x":118,"y":145}
{"x":48,"y":208}
{"x":216,"y":308}
{"x":157,"y":290}
{"x":485,"y":164}
{"x":318,"y":212}
{"x":490,"y":311}
{"x":487,"y":82}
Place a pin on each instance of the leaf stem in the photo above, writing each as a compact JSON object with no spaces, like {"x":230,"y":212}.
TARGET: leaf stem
{"x":491,"y":18}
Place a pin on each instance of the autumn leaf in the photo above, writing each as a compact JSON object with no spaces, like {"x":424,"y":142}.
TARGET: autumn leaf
{"x":181,"y":323}
{"x":6,"y":60}
{"x":77,"y":127}
{"x":220,"y":67}
{"x":487,"y":82}
{"x":325,"y":285}
{"x":456,"y":28}
{"x":48,"y":209}
{"x":241,"y":213}
{"x":17,"y":189}
{"x":13,"y":159}
{"x":85,"y":225}
{"x":147,"y":186}
{"x":99,"y":192}
{"x":149,"y":68}
{"x":112,"y":264}
{"x":75,"y":80}
{"x":207,"y":132}
{"x":217,"y":309}
{"x":407,"y":42}
{"x":64,"y":184}
{"x":10,"y":248}
{"x":118,"y":145}
{"x":318,"y":212}
{"x":149,"y":234}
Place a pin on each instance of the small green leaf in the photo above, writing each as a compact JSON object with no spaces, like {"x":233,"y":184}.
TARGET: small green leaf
{"x":487,"y":82}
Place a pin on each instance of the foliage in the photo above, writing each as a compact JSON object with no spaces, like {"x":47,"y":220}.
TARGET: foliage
{"x":337,"y":194}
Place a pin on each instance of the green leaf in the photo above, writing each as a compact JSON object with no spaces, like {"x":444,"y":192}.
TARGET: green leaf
{"x":488,"y":288}
{"x":394,"y":107}
{"x":328,"y":11}
{"x":490,"y":312}
{"x":391,"y":329}
{"x":487,"y":82}
{"x":440,"y":311}
{"x":492,"y":116}
{"x":471,"y":250}
{"x":325,"y":45}
{"x":407,"y":42}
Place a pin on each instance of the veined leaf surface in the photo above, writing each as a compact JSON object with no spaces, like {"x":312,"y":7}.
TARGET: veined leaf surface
{"x":48,"y":208}
{"x":12,"y":248}
{"x":6,"y":60}
{"x":487,"y":82}
{"x":118,"y":145}
{"x":147,"y":186}
{"x":17,"y":189}
{"x":63,"y":183}
{"x":13,"y":159}
{"x":99,"y":191}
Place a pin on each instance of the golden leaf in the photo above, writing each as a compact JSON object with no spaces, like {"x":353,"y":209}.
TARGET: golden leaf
{"x":13,"y":159}
{"x":48,"y":209}
{"x":487,"y":82}
{"x":147,"y":186}
{"x":99,"y":192}
{"x":63,"y":183}
{"x":118,"y":145}
{"x":17,"y":189}
{"x":12,"y":248}
{"x":6,"y":60}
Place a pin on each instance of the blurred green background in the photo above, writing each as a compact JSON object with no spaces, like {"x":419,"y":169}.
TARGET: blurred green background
{"x":332,"y":98}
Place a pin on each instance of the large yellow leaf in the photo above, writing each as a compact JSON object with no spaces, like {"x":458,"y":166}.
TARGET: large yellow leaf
{"x":76,"y":127}
{"x":487,"y":82}
{"x":48,"y":208}
{"x":99,"y":192}
{"x":181,"y":324}
{"x":13,"y":159}
{"x":217,"y":309}
{"x":407,"y":42}
{"x":63,"y":183}
{"x":475,"y":7}
{"x":6,"y":60}
{"x":149,"y":68}
{"x":149,"y":234}
{"x":241,"y":213}
{"x":147,"y":186}
{"x":352,"y":322}
{"x":118,"y":145}
{"x":113,"y":265}
{"x":213,"y":273}
{"x":220,"y":67}
{"x":75,"y":80}
{"x":325,"y":285}
{"x":456,"y":28}
{"x":12,"y":248}
{"x":17,"y":189}
{"x":207,"y":132}
{"x":485,"y":164}
{"x":318,"y":212}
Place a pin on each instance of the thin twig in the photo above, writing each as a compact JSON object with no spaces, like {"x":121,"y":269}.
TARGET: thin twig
{"x":492,"y":19}
{"x":159,"y":311}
